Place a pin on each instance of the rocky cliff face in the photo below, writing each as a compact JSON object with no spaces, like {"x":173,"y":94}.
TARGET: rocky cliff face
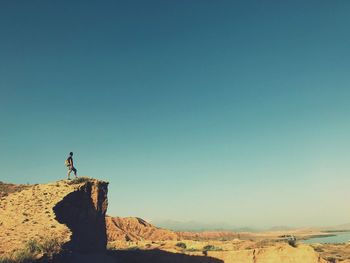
{"x":83,"y":212}
{"x":72,"y":213}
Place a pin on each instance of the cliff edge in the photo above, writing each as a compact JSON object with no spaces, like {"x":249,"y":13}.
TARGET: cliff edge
{"x":68,"y":214}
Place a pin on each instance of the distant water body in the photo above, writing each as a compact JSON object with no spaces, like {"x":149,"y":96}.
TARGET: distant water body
{"x":342,"y":237}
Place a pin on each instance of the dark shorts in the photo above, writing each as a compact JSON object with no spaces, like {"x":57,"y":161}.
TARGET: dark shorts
{"x":71,"y":168}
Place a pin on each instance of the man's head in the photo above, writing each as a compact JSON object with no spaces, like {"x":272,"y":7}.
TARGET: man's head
{"x":71,"y":153}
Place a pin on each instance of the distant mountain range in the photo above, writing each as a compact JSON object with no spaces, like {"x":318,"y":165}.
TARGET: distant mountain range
{"x":338,"y":227}
{"x":196,"y":226}
{"x":199,"y":226}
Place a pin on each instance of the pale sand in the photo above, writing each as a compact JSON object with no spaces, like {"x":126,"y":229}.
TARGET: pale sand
{"x":28,"y":215}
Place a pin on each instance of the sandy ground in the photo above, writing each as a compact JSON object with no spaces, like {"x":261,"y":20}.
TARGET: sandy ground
{"x":233,"y":251}
{"x":28,"y":215}
{"x":334,"y":252}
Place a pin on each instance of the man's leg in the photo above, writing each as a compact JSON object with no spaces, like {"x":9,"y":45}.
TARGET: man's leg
{"x":69,"y":171}
{"x":75,"y":172}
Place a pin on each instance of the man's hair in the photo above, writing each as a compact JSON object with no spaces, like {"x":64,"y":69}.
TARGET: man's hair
{"x":71,"y":153}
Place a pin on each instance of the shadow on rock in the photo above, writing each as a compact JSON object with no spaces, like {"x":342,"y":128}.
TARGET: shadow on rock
{"x":155,"y":256}
{"x":135,"y":256}
{"x":83,"y":211}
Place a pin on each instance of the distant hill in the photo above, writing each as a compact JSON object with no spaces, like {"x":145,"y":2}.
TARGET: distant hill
{"x":281,"y":228}
{"x":194,"y":226}
{"x":135,"y":229}
{"x":337,"y":227}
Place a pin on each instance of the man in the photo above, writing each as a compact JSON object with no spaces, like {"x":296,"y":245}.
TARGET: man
{"x":70,"y":165}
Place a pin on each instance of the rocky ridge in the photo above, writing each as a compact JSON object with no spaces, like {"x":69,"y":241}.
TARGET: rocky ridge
{"x":70,"y":212}
{"x":135,"y":229}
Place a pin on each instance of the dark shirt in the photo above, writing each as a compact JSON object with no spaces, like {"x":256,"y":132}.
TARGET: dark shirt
{"x":70,"y":160}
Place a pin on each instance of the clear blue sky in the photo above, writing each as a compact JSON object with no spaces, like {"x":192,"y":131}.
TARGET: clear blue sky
{"x":212,"y":111}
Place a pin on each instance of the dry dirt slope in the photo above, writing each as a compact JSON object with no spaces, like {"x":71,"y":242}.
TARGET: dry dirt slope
{"x":135,"y":229}
{"x":280,"y":253}
{"x":71,"y":213}
{"x":6,"y":189}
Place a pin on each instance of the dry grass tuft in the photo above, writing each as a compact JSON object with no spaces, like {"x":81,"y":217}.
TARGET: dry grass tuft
{"x":6,"y":189}
{"x":32,"y":250}
{"x":80,"y":180}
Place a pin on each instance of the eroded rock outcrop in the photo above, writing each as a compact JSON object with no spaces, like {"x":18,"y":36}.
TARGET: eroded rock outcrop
{"x":135,"y":229}
{"x":83,"y":212}
{"x":70,"y":212}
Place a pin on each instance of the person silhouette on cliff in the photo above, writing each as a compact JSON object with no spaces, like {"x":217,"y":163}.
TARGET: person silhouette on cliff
{"x":70,"y":165}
